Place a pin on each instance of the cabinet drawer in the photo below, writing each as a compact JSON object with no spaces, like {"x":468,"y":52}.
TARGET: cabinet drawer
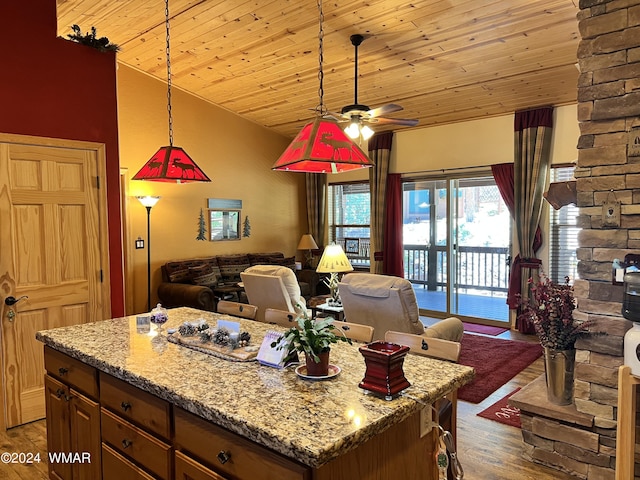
{"x":134,"y":443}
{"x":136,"y":405}
{"x":188,"y":469}
{"x":247,"y":460}
{"x":71,"y":371}
{"x":116,"y":467}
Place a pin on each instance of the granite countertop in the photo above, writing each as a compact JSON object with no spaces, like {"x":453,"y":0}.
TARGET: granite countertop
{"x":309,"y":421}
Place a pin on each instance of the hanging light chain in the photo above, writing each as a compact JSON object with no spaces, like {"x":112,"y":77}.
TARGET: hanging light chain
{"x":168,"y":52}
{"x":321,"y":110}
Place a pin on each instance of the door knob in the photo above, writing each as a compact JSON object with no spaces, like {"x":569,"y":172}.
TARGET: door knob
{"x":10,"y":301}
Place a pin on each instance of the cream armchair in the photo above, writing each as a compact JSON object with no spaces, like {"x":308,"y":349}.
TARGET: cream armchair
{"x":389,"y":303}
{"x":273,"y":286}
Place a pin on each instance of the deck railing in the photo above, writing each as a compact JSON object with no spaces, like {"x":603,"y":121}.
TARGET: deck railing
{"x":479,"y":268}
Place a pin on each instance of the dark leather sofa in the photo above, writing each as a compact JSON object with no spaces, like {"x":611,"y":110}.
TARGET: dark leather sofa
{"x":201,"y":282}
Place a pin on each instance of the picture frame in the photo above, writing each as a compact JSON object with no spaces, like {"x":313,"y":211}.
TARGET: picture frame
{"x":352,"y":245}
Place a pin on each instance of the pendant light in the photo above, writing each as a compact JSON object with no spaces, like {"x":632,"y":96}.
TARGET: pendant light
{"x":169,"y":163}
{"x":322,"y":146}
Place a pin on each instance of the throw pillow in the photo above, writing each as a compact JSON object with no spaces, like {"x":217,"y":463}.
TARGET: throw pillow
{"x":180,"y":276}
{"x":285,"y":262}
{"x":203,"y":275}
{"x":263,"y":258}
{"x":231,"y":266}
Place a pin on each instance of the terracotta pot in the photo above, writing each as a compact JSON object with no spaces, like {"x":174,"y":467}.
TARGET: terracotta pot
{"x":318,"y":369}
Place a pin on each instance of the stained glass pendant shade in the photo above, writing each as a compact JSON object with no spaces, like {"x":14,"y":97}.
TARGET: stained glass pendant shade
{"x":322,"y":147}
{"x":171,"y":164}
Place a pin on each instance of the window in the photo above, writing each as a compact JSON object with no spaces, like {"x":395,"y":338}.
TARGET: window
{"x":563,"y":233}
{"x":349,"y":218}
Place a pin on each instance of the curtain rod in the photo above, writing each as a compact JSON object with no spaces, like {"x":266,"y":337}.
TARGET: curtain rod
{"x":445,"y":170}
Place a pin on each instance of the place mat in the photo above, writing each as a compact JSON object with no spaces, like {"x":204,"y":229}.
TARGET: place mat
{"x":502,"y":412}
{"x":195,"y":343}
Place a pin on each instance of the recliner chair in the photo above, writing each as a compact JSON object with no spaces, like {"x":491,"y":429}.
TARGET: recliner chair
{"x":273,"y":286}
{"x":389,"y":303}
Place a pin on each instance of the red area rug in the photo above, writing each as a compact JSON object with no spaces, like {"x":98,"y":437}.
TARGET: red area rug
{"x":484,"y":329}
{"x":496,"y":361}
{"x":502,"y":412}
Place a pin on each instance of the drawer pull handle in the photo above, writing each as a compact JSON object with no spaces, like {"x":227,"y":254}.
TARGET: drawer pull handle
{"x":125,"y":406}
{"x":63,"y":371}
{"x":59,"y":392}
{"x":224,"y":457}
{"x":126,"y":443}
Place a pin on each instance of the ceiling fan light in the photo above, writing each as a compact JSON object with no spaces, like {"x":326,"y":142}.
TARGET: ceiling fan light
{"x":366,"y":132}
{"x":352,"y":130}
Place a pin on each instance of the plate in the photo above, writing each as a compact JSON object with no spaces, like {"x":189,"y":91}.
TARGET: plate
{"x":301,"y":370}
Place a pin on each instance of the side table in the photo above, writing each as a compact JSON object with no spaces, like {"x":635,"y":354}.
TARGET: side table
{"x":326,"y":310}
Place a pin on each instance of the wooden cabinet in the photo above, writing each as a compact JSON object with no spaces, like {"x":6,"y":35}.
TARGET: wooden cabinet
{"x":189,"y":469}
{"x":230,"y":454}
{"x":73,"y":421}
{"x":136,"y":428}
{"x":117,"y":467}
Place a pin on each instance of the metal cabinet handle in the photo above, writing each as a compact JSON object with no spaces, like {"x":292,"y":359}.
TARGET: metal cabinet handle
{"x":63,"y":371}
{"x":224,"y":457}
{"x":125,"y":406}
{"x":126,"y":443}
{"x":59,"y":393}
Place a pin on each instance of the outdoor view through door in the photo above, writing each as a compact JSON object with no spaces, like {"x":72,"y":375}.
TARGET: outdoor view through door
{"x":457,"y":236}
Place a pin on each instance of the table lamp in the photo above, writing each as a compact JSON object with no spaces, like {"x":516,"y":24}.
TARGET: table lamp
{"x":307,"y":243}
{"x":334,"y":261}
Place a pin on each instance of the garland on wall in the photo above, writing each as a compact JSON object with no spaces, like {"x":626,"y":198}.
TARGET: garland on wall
{"x":91,"y":40}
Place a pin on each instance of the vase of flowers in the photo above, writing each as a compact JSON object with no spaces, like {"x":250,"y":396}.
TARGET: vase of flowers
{"x":550,"y":310}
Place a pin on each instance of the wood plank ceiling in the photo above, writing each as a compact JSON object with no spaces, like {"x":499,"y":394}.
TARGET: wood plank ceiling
{"x":443,"y":60}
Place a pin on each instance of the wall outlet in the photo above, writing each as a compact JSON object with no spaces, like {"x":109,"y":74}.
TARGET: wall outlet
{"x":426,"y":421}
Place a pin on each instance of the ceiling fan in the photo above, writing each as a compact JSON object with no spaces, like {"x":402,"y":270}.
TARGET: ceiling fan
{"x":359,"y":115}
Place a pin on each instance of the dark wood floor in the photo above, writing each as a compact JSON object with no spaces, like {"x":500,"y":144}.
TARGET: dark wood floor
{"x":487,"y":449}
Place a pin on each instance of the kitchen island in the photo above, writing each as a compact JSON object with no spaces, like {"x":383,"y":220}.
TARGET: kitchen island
{"x":269,"y":423}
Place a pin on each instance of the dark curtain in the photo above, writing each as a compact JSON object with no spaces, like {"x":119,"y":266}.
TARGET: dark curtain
{"x":316,"y":184}
{"x":380,"y":154}
{"x":503,"y":174}
{"x":532,"y":155}
{"x":393,"y":262}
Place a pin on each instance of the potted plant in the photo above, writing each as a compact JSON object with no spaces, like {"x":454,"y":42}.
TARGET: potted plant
{"x":550,"y":310}
{"x":314,"y":339}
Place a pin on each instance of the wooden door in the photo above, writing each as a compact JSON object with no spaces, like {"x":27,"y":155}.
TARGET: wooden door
{"x":53,"y":252}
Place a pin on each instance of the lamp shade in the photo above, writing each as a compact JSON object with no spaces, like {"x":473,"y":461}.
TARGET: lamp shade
{"x":334,"y":260}
{"x":148,"y":201}
{"x":171,"y":164}
{"x":307,"y":242}
{"x":322,"y":147}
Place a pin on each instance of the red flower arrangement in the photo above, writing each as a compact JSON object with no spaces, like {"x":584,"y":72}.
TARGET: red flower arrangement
{"x":550,"y":310}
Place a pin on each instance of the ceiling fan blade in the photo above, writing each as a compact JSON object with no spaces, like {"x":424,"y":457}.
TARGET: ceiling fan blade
{"x":384,"y":110}
{"x":407,"y":122}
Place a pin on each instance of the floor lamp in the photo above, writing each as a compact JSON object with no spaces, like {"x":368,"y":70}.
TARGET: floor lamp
{"x":148,"y":203}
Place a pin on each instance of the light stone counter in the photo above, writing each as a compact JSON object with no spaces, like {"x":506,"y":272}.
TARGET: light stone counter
{"x":309,"y":421}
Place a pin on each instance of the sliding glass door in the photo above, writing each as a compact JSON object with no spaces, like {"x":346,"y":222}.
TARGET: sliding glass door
{"x":456,"y":247}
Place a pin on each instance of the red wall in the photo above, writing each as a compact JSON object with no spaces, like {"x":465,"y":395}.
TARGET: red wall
{"x":51,"y":87}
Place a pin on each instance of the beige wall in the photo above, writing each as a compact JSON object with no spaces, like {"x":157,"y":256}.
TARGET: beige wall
{"x":471,"y":144}
{"x":237,"y":155}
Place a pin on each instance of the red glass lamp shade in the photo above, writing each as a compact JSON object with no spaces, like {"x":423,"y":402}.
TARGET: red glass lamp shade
{"x":322,"y":147}
{"x":171,"y":164}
